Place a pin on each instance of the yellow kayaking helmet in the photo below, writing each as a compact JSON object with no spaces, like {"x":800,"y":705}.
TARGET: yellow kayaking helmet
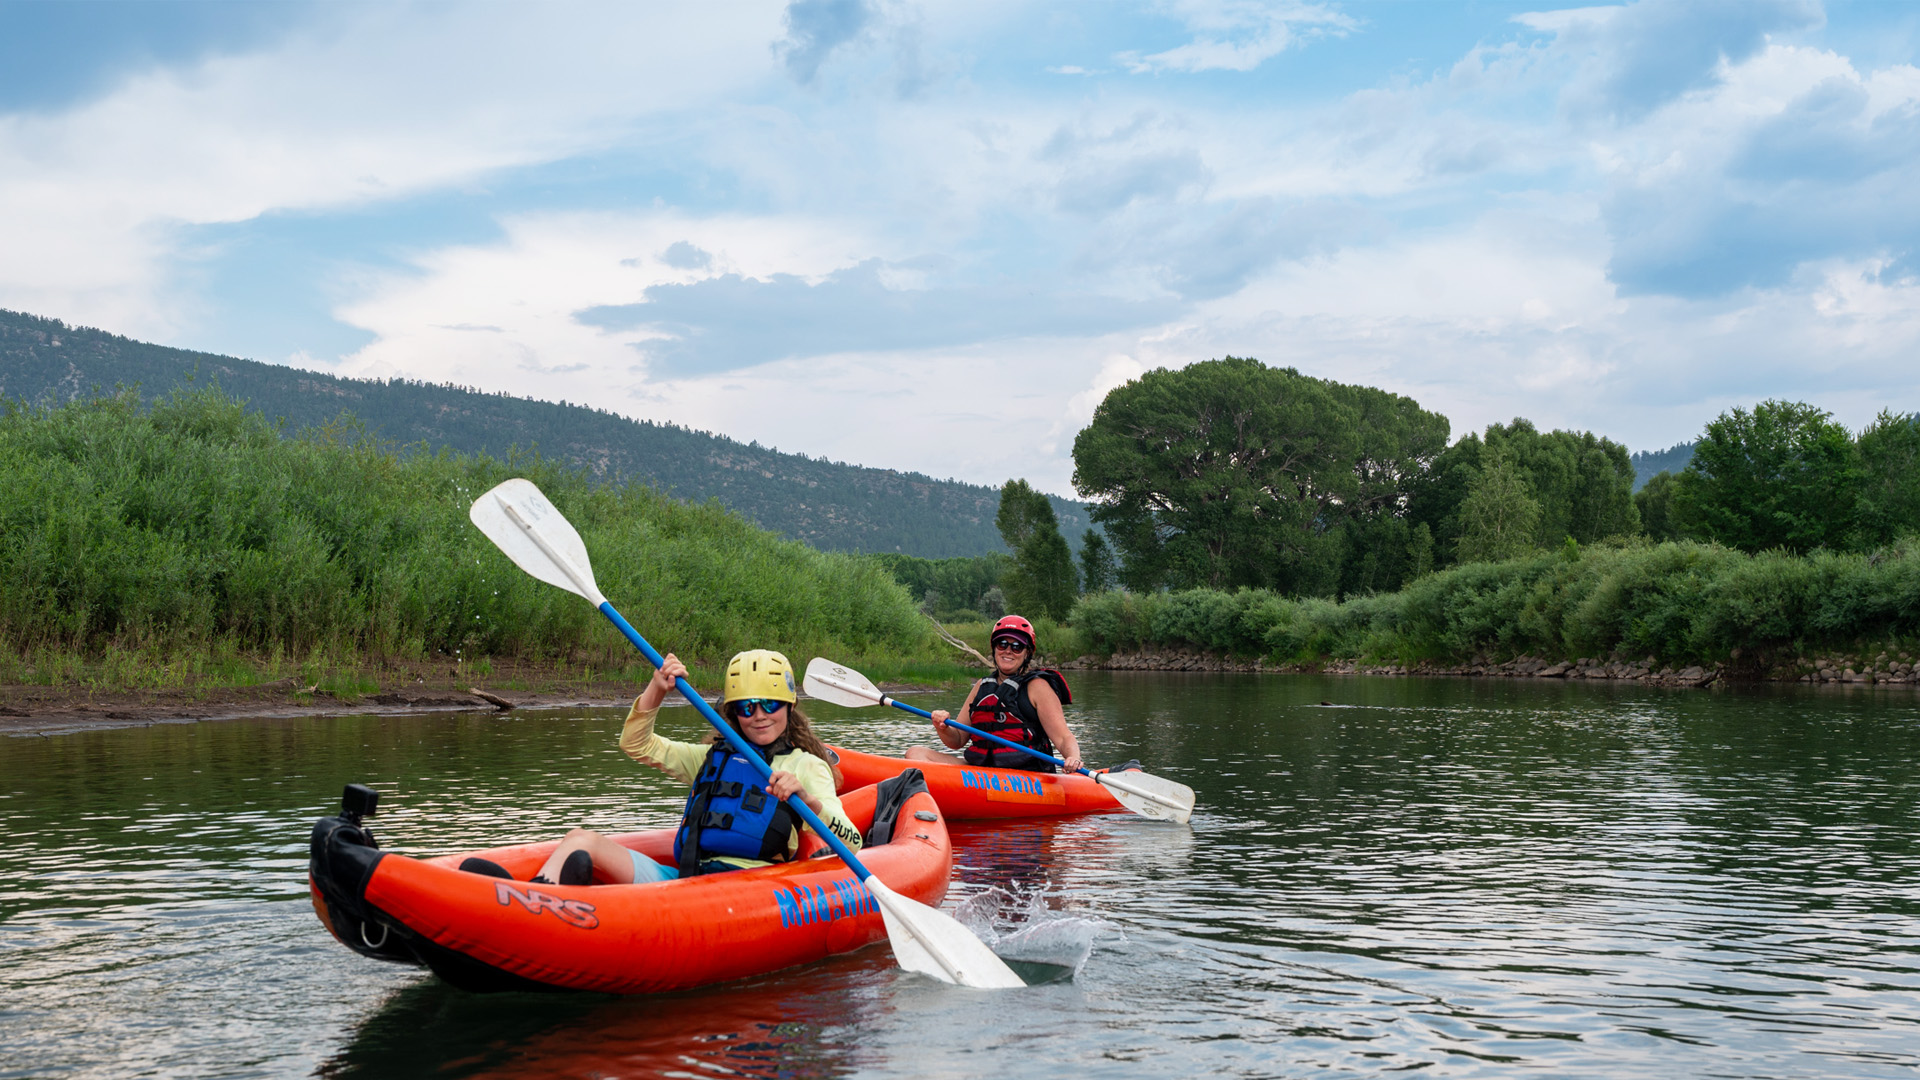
{"x":759,"y":673}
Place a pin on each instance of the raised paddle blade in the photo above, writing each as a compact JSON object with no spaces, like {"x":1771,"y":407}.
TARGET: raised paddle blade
{"x":536,"y":536}
{"x":1150,"y":796}
{"x":932,"y":943}
{"x":839,"y":685}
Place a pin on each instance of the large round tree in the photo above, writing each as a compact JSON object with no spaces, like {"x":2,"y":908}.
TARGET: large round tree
{"x":1228,"y":472}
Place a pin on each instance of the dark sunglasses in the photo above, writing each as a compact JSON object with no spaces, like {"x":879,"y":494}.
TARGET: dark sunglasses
{"x":745,"y":707}
{"x":1011,"y":644}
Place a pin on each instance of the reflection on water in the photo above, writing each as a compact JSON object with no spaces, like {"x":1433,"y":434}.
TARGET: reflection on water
{"x":775,"y":1027}
{"x":1447,"y":876}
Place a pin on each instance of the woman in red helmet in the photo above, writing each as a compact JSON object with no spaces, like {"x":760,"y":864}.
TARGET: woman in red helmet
{"x":1016,"y":702}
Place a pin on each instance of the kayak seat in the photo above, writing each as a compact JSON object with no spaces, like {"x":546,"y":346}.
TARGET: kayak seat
{"x":889,"y":796}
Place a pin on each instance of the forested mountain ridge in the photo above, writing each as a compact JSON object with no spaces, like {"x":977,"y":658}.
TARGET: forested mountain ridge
{"x":1648,"y":464}
{"x":830,"y":505}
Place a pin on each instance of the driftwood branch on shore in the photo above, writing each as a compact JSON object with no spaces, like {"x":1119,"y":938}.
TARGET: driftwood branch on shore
{"x":494,"y":700}
{"x":948,"y":637}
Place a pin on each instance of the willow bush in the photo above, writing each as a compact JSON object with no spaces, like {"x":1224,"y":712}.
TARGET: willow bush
{"x":195,"y":527}
{"x":1680,"y":602}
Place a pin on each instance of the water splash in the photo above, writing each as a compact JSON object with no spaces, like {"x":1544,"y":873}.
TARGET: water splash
{"x":1036,"y":928}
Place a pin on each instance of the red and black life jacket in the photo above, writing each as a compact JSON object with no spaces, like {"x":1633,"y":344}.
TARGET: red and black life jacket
{"x":1002,"y":708}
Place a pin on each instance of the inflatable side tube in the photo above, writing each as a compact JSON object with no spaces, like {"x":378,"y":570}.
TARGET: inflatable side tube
{"x":979,"y":792}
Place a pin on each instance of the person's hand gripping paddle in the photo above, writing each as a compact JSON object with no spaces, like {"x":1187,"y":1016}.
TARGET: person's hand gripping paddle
{"x":520,"y":520}
{"x":1143,"y":793}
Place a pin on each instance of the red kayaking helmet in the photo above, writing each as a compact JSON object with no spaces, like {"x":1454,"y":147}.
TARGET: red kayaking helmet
{"x":1017,"y":627}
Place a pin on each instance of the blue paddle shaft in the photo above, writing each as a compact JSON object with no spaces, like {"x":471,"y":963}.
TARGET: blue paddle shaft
{"x":693,"y":697}
{"x":977,"y":733}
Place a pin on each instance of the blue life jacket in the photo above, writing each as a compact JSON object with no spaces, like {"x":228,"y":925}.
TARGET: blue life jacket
{"x":729,"y":813}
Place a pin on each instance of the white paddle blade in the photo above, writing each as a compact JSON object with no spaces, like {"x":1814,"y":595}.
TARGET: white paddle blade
{"x":537,"y":537}
{"x":926,"y":941}
{"x":1150,"y":796}
{"x":839,"y":685}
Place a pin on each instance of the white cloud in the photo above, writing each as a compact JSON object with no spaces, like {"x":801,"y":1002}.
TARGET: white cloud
{"x":1238,"y":35}
{"x":374,"y":103}
{"x":1636,"y":58}
{"x":1486,"y":240}
{"x":502,"y":316}
{"x":1513,"y":315}
{"x":983,"y":414}
{"x":1508,"y":312}
{"x":1567,"y":19}
{"x":1794,"y":158}
{"x":1115,"y":371}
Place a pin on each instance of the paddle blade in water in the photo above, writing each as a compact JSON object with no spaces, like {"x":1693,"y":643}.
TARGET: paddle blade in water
{"x":926,"y":941}
{"x":839,"y":685}
{"x":1150,"y":796}
{"x":536,"y":536}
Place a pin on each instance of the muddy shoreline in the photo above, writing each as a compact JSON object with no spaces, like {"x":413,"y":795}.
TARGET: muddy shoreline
{"x":40,"y":710}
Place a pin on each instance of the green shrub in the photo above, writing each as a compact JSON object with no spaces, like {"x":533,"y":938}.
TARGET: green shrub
{"x":195,"y":529}
{"x":1681,"y":602}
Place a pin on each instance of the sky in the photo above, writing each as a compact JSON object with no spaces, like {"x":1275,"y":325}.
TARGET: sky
{"x":932,"y":237}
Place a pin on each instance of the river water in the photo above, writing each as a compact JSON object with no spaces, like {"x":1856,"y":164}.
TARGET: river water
{"x":1456,"y":877}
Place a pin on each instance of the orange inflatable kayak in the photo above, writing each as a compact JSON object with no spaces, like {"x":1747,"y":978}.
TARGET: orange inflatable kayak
{"x":972,"y":793}
{"x":489,"y":933}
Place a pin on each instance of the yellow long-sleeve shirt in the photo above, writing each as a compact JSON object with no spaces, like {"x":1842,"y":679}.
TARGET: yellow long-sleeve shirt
{"x":682,"y":761}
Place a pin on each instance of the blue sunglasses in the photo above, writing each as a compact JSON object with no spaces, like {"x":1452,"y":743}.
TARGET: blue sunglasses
{"x":746,"y":706}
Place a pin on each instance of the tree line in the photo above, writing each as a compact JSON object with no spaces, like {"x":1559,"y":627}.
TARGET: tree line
{"x":1786,"y":476}
{"x":1230,"y":474}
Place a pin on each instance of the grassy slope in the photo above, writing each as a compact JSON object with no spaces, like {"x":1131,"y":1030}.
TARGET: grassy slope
{"x":190,"y":543}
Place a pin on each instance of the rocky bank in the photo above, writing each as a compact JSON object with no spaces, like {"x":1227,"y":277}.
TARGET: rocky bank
{"x":1865,"y":667}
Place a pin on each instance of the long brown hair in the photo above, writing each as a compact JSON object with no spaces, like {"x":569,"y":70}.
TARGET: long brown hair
{"x":799,"y":733}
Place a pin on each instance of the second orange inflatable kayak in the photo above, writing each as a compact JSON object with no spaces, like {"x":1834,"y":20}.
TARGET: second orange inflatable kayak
{"x":972,"y":793}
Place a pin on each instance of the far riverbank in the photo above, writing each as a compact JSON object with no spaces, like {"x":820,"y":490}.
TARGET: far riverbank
{"x":390,"y":690}
{"x":1882,"y":667}
{"x":50,"y":710}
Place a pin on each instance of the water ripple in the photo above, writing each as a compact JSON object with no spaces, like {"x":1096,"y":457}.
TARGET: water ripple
{"x":1448,"y":877}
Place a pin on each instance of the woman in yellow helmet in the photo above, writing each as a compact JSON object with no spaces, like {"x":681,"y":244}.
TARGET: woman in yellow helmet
{"x":732,"y":820}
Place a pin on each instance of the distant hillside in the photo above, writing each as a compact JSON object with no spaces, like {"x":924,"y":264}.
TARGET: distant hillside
{"x":1648,"y":464}
{"x":835,"y":507}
